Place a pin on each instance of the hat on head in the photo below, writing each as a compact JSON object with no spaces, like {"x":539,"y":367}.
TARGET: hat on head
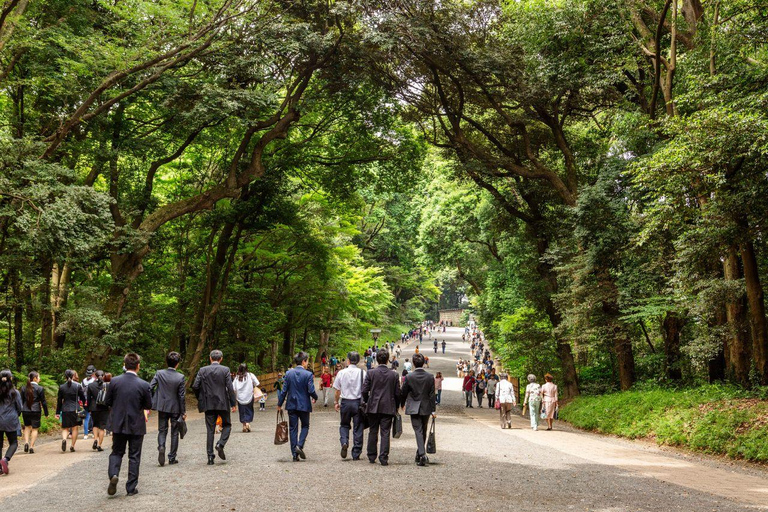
{"x":89,"y":371}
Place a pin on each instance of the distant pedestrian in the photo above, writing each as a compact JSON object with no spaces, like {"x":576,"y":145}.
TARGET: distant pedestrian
{"x":68,"y":402}
{"x":348,"y":388}
{"x":408,"y":366}
{"x":96,"y":393}
{"x":169,"y":400}
{"x":128,"y":396}
{"x":89,"y":377}
{"x":299,"y":388}
{"x":245,"y":383}
{"x":438,"y":386}
{"x":418,"y":397}
{"x":505,"y":394}
{"x":326,"y":385}
{"x":263,"y":400}
{"x":468,"y":387}
{"x":33,"y":406}
{"x":549,"y":399}
{"x":480,"y":385}
{"x":490,"y":389}
{"x":533,"y":400}
{"x":381,"y":392}
{"x":443,"y":344}
{"x":434,"y":345}
{"x":215,"y":396}
{"x":10,"y":409}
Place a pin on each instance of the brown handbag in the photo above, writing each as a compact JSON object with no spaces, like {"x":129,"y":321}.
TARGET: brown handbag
{"x":281,"y":430}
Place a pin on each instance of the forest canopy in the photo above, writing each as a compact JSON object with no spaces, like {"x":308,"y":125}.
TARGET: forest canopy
{"x":263,"y":176}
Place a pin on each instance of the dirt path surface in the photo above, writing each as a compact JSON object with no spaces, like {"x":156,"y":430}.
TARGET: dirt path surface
{"x":478,"y":467}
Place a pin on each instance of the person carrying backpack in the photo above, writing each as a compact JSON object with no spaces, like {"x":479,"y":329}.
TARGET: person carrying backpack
{"x":96,"y":394}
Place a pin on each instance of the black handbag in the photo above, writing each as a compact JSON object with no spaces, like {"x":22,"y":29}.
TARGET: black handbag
{"x":431,"y":444}
{"x":363,"y":409}
{"x":181,"y":425}
{"x":397,"y":426}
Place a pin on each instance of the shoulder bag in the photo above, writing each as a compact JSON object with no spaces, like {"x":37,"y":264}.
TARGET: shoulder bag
{"x":397,"y":426}
{"x":431,"y":443}
{"x":281,"y":429}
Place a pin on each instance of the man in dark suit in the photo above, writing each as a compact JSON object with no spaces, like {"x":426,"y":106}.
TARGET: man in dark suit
{"x":381,"y":391}
{"x":168,"y":392}
{"x":297,"y":390}
{"x":215,"y":396}
{"x":129,"y":397}
{"x":418,"y":397}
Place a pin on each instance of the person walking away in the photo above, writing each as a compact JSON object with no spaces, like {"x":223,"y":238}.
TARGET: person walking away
{"x":67,"y":404}
{"x":480,"y":385}
{"x":348,"y":390}
{"x":245,"y":383}
{"x":299,"y":388}
{"x":96,"y":394}
{"x":215,"y":396}
{"x":549,"y":399}
{"x":438,"y":386}
{"x":326,"y":385}
{"x":469,"y":387}
{"x":408,"y":366}
{"x":533,"y":399}
{"x":10,"y":409}
{"x":505,"y":393}
{"x":381,"y":391}
{"x":434,"y":346}
{"x":398,"y":351}
{"x":443,"y":344}
{"x":33,"y":405}
{"x":368,"y":360}
{"x":418,"y":398}
{"x":490,"y":389}
{"x":128,"y":396}
{"x":89,"y":378}
{"x":169,"y":400}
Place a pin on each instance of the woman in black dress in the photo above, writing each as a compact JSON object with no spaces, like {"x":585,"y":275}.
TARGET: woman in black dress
{"x":33,"y":406}
{"x":95,"y":393}
{"x":68,"y":403}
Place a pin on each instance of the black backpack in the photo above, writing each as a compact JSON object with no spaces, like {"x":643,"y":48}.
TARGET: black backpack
{"x":101,"y":396}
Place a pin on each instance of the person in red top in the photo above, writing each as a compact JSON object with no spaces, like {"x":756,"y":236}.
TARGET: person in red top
{"x":326,"y":384}
{"x":469,"y":387}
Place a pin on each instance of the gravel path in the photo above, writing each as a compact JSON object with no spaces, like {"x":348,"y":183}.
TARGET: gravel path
{"x":478,"y":466}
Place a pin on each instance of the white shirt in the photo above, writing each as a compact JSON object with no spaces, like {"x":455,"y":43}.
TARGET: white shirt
{"x":505,"y":392}
{"x":350,"y":382}
{"x":408,"y":366}
{"x":244,"y":388}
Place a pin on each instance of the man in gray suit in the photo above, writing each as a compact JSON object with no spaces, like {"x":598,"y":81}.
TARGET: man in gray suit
{"x":215,"y":396}
{"x":418,"y":396}
{"x":168,"y":392}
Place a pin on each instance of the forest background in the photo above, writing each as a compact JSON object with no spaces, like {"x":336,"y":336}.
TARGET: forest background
{"x":266,"y":176}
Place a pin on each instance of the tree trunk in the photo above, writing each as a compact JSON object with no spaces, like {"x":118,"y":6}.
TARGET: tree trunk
{"x":672,"y":325}
{"x":59,"y":300}
{"x":622,"y":342}
{"x":18,"y":319}
{"x":287,"y":333}
{"x":46,"y":317}
{"x":756,"y":301}
{"x":739,"y":353}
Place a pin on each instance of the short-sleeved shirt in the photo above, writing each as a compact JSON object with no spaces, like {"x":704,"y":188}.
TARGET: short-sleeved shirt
{"x":350,"y":382}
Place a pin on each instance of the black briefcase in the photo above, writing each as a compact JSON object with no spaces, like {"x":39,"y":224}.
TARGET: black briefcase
{"x":397,"y":426}
{"x":182,"y":426}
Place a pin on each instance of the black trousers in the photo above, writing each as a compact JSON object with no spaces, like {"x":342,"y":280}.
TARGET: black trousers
{"x":379,"y":422}
{"x":420,"y":425}
{"x":210,"y":426}
{"x":162,"y":432}
{"x":134,"y":442}
{"x":13,"y":443}
{"x":350,"y":415}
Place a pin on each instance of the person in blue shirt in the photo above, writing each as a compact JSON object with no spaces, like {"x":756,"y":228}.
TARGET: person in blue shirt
{"x":298,"y":389}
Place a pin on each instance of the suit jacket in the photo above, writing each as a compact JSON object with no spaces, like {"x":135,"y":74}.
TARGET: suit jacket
{"x":129,"y":397}
{"x":381,"y":391}
{"x":168,"y":392}
{"x":69,"y":396}
{"x":9,"y":412}
{"x":298,"y":388}
{"x":418,"y":393}
{"x":39,"y":404}
{"x":92,"y":393}
{"x":213,"y":388}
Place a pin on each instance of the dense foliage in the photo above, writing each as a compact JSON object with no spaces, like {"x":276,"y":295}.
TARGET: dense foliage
{"x":267,"y":175}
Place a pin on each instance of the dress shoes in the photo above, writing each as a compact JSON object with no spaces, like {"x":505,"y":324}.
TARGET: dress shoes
{"x":220,"y":451}
{"x":172,"y":461}
{"x":300,"y":452}
{"x":161,"y":456}
{"x":210,"y":460}
{"x":422,"y":461}
{"x":296,"y":458}
{"x":112,"y":489}
{"x":132,"y":493}
{"x":344,"y":449}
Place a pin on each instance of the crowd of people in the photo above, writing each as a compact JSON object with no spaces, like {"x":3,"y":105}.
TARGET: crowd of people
{"x":369,"y":397}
